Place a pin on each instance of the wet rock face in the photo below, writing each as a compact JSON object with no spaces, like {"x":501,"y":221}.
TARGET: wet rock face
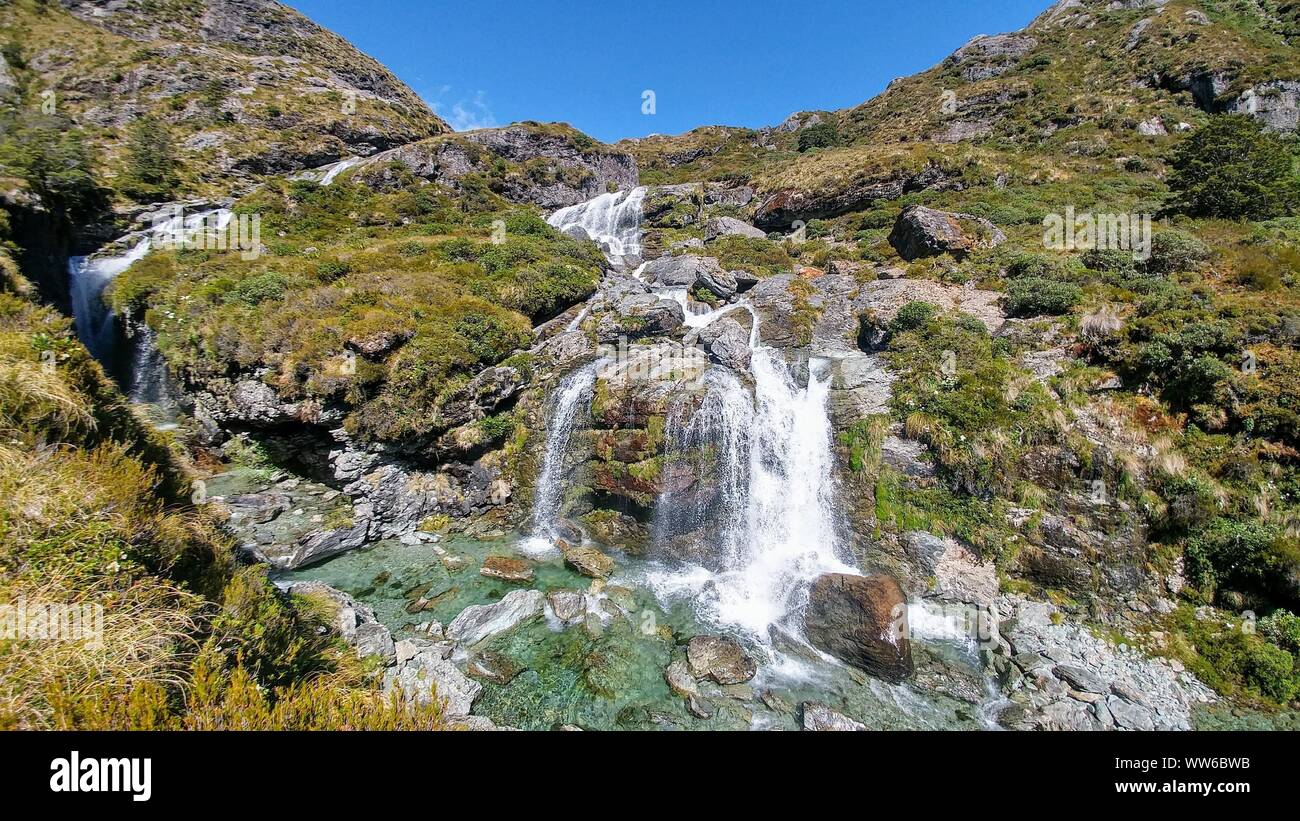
{"x":727,"y":343}
{"x":861,"y":620}
{"x":719,"y":659}
{"x":927,"y":232}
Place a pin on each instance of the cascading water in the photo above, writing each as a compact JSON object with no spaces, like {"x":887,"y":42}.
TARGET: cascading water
{"x":338,"y":168}
{"x":613,"y":221}
{"x":572,"y":398}
{"x":90,"y":275}
{"x":773,"y":465}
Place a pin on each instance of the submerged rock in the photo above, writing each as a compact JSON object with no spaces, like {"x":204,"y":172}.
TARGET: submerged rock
{"x":720,"y":659}
{"x":480,"y":622}
{"x":495,"y":667}
{"x":507,"y":569}
{"x":861,"y":620}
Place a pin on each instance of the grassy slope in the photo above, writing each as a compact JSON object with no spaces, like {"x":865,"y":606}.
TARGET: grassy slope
{"x":230,"y":103}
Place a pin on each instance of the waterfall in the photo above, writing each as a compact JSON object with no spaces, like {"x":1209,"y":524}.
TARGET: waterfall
{"x":88,"y":276}
{"x":338,"y":168}
{"x":572,"y":396}
{"x":775,"y":527}
{"x":613,"y":221}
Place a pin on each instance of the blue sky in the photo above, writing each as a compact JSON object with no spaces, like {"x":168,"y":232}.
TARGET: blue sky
{"x":708,"y":62}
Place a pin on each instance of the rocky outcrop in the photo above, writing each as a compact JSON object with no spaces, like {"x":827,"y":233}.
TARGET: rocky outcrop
{"x":1059,"y":675}
{"x":553,"y":167}
{"x":423,"y":671}
{"x":926,"y":232}
{"x":779,"y":210}
{"x":957,"y":573}
{"x":356,"y":623}
{"x":990,"y":56}
{"x":330,"y":100}
{"x":1276,"y":104}
{"x":861,"y":620}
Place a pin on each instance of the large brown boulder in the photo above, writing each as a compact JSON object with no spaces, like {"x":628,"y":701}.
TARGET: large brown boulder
{"x":926,"y":232}
{"x":861,"y":620}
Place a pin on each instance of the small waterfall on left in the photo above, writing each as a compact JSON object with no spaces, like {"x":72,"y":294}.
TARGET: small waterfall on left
{"x":572,"y":398}
{"x":89,"y":276}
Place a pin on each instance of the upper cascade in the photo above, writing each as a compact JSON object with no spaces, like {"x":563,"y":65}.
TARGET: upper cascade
{"x":612,"y":220}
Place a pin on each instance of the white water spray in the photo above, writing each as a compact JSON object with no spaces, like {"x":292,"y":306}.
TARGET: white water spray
{"x":774,"y":468}
{"x":613,"y":221}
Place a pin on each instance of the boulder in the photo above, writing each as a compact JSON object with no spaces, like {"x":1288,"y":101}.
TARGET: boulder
{"x":690,"y":271}
{"x":861,"y":620}
{"x":567,"y":605}
{"x":639,"y":315}
{"x":586,"y":560}
{"x":730,"y":226}
{"x":926,"y":232}
{"x":726,"y":342}
{"x":720,"y":659}
{"x":507,"y":569}
{"x":478,"y":623}
{"x":820,"y":718}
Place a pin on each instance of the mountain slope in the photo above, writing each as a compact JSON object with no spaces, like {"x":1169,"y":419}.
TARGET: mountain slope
{"x":240,"y":89}
{"x":1087,"y":85}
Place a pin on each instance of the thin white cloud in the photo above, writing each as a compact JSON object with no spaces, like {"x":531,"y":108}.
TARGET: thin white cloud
{"x":464,"y":114}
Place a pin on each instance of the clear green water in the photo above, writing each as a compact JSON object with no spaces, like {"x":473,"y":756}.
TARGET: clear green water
{"x":608,"y":673}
